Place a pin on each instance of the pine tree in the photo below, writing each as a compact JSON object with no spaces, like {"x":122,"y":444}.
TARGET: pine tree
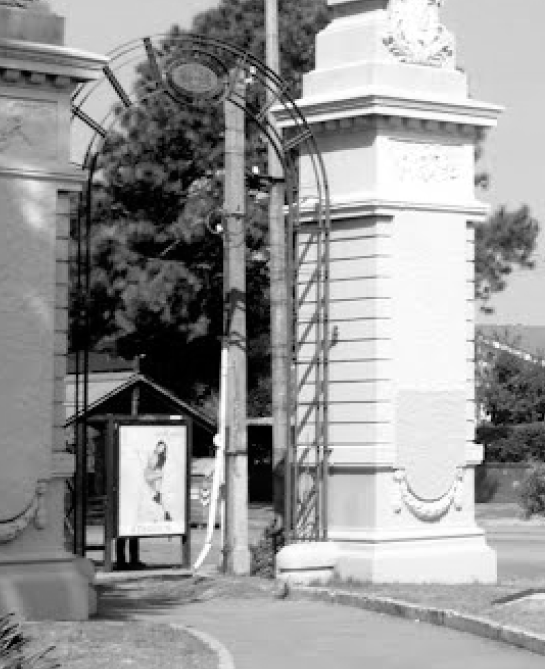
{"x":157,"y":269}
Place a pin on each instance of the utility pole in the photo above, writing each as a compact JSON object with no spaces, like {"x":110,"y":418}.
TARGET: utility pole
{"x":279,"y":293}
{"x":236,"y":551}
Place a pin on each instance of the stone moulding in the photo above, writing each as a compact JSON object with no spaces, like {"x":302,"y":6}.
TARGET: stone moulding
{"x":35,"y":512}
{"x":373,"y":207}
{"x":425,"y":510}
{"x":36,"y":65}
{"x":379,"y":110}
{"x":415,"y":34}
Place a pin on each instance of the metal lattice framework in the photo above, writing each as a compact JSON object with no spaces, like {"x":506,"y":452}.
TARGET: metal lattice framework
{"x":96,"y":114}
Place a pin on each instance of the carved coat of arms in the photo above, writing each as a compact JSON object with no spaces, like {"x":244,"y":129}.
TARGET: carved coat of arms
{"x":415,"y":33}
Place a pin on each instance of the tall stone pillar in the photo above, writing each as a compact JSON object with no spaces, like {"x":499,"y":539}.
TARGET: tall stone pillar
{"x":38,"y":579}
{"x":398,"y":130}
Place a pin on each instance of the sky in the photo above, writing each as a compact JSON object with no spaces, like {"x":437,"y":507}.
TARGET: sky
{"x":500,"y":46}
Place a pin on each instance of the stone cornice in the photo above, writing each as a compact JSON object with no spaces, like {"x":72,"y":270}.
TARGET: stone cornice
{"x":69,"y":179}
{"x":54,"y":62}
{"x":383,"y":207}
{"x":393,"y":110}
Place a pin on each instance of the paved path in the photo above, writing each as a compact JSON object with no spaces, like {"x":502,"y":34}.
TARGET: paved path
{"x":283,"y":634}
{"x":271,"y":634}
{"x":521,"y":552}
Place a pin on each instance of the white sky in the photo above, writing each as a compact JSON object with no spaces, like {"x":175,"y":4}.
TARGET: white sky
{"x":499,"y":44}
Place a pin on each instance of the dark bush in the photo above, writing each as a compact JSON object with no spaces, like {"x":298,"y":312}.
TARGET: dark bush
{"x":264,"y":552}
{"x":532,"y":494}
{"x":513,"y":443}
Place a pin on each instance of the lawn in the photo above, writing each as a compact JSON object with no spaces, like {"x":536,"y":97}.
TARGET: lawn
{"x":114,"y":644}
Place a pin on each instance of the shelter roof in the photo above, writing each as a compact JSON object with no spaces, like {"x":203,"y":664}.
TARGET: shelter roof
{"x":103,"y":386}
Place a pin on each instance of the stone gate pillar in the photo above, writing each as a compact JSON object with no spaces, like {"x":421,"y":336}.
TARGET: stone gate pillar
{"x":37,"y":77}
{"x":397,"y":131}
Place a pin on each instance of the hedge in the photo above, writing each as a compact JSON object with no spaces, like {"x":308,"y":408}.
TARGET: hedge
{"x":513,"y":443}
{"x":532,"y":494}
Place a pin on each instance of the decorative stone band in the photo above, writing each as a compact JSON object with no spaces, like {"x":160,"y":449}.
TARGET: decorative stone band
{"x":375,"y":109}
{"x":428,"y":511}
{"x":35,"y":65}
{"x":451,"y":130}
{"x":33,"y":79}
{"x":35,"y":512}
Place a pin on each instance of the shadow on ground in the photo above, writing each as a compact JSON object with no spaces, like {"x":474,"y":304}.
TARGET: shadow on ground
{"x":122,"y":601}
{"x":133,"y":598}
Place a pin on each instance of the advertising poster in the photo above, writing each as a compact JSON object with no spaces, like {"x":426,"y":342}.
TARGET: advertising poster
{"x":152,"y":480}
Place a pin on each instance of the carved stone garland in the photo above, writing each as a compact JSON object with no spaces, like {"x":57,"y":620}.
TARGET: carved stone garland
{"x":35,"y":511}
{"x":427,"y":510}
{"x":415,"y":34}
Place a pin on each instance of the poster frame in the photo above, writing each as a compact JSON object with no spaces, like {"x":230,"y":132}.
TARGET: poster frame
{"x":159,"y":421}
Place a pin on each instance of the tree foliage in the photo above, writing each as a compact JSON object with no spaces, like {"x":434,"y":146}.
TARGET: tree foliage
{"x":510,"y":389}
{"x":156,"y":268}
{"x":242,"y":23}
{"x":506,"y":241}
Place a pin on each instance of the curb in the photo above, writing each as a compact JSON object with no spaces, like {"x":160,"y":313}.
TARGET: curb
{"x":102,"y":577}
{"x":482,"y":627}
{"x":107,"y":577}
{"x":225,"y":659}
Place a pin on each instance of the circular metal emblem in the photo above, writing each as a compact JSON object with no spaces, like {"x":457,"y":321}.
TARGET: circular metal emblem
{"x":197,"y":76}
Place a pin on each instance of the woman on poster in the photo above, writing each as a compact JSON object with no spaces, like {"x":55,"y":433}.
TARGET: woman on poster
{"x":154,"y":473}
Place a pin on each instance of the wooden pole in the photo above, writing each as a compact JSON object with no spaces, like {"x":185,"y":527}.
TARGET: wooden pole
{"x":236,"y":551}
{"x":279,"y":287}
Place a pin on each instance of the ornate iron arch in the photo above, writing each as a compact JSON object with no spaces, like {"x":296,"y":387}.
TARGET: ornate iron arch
{"x":94,"y":118}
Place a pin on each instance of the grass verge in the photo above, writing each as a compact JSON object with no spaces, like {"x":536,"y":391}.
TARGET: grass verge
{"x":88,"y":645}
{"x":512,"y":603}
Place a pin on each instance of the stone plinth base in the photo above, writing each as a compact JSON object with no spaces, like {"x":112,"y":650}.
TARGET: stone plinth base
{"x":443,"y":560}
{"x":306,"y":564}
{"x":44,"y":587}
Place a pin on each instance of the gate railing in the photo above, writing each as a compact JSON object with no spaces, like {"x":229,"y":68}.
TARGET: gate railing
{"x":306,"y":470}
{"x":307,"y":479}
{"x":76,"y":488}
